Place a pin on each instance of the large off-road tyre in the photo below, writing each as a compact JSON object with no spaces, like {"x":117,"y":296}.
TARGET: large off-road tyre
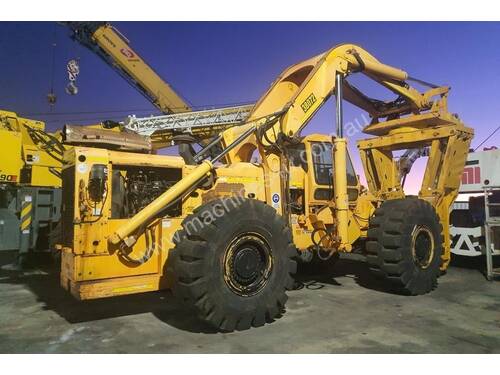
{"x":405,"y":245}
{"x":233,"y":262}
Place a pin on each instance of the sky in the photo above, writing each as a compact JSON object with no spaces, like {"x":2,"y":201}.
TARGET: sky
{"x":223,"y":63}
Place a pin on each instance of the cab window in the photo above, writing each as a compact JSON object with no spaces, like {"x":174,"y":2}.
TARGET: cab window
{"x":352,"y":178}
{"x":322,"y":162}
{"x":297,"y":156}
{"x":323,"y":172}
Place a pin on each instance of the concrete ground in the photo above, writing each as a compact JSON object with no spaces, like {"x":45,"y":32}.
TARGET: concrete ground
{"x":343,"y":312}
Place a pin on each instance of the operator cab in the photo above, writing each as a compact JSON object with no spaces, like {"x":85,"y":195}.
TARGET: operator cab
{"x":311,"y":191}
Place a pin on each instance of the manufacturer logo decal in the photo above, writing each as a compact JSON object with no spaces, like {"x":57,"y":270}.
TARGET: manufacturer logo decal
{"x":127,"y":53}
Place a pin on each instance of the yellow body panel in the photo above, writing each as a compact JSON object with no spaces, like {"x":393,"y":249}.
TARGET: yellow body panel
{"x":42,"y":166}
{"x":22,"y":147}
{"x":107,"y":287}
{"x":10,"y":156}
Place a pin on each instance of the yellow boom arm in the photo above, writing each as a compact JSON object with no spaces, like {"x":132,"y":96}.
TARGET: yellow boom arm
{"x":104,"y":40}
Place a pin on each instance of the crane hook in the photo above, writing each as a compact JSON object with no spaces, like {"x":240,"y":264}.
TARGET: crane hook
{"x":73,"y":69}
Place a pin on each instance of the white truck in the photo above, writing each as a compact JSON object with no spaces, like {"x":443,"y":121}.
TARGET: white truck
{"x":469,"y":217}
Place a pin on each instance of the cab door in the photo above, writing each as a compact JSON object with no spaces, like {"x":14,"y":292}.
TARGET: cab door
{"x":320,"y":178}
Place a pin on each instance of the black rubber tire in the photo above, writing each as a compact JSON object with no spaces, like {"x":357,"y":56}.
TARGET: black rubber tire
{"x":198,"y":263}
{"x":389,"y":245}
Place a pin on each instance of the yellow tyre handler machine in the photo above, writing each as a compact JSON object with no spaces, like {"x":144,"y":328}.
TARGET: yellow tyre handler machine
{"x":225,"y":232}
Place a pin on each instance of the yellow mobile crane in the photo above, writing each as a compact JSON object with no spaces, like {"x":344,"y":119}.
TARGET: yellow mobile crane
{"x":30,"y":180}
{"x":31,"y":158}
{"x":226,"y":237}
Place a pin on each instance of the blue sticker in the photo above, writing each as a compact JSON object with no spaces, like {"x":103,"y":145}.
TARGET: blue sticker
{"x":276,"y":197}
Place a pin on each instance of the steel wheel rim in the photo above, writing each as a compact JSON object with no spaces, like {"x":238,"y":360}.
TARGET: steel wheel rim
{"x":422,"y":246}
{"x":247,"y":264}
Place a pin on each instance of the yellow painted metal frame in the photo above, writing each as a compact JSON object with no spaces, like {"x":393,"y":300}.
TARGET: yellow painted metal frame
{"x":278,"y":117}
{"x":449,"y":145}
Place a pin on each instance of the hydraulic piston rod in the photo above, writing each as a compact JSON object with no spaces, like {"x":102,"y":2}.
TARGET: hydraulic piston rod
{"x":340,"y":167}
{"x":125,"y":231}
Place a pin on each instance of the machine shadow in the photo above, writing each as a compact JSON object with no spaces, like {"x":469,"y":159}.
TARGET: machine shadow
{"x":43,"y":282}
{"x":347,"y":266}
{"x":354,"y":266}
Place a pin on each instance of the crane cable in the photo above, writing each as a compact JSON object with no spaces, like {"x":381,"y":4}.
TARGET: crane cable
{"x":488,"y":137}
{"x":51,"y":97}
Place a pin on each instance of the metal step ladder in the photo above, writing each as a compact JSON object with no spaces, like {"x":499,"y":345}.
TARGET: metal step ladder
{"x":491,"y":221}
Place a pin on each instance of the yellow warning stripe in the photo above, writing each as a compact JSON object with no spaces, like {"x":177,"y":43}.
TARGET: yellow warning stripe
{"x":26,"y":210}
{"x":26,"y":216}
{"x":26,"y":223}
